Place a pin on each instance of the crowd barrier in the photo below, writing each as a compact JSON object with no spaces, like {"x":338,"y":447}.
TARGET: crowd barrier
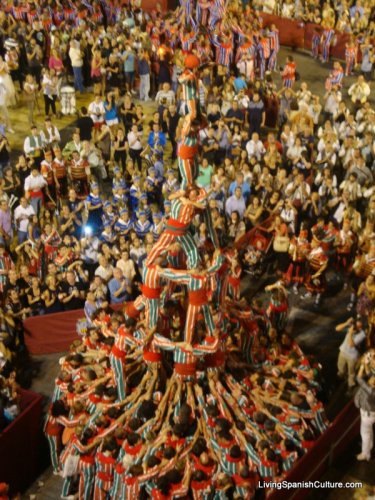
{"x":20,"y":444}
{"x":51,"y":333}
{"x":298,"y":34}
{"x":333,"y":443}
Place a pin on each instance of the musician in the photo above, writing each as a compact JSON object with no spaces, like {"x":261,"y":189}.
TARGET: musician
{"x":33,"y":146}
{"x":50,"y":134}
{"x":344,"y":243}
{"x":318,"y":262}
{"x":47,"y":171}
{"x":34,"y":185}
{"x":60,"y":173}
{"x":78,"y":168}
{"x":298,"y":249}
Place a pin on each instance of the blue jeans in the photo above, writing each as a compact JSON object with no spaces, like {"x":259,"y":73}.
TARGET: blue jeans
{"x":22,"y":236}
{"x":78,"y":79}
{"x":36,"y":203}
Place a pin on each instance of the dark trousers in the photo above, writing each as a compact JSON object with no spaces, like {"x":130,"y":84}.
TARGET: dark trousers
{"x":135,"y":155}
{"x":49,"y":103}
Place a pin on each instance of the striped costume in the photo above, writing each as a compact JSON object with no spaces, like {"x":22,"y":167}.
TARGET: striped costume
{"x":274,"y":49}
{"x":151,"y":291}
{"x":185,"y":361}
{"x":224,"y":51}
{"x":105,"y":465}
{"x":351,"y":52}
{"x":177,"y":229}
{"x":278,"y":312}
{"x":265,"y":53}
{"x":86,"y":469}
{"x":317,"y":261}
{"x":288,"y":74}
{"x":335,"y":78}
{"x":198,"y":299}
{"x":117,"y":360}
{"x":187,"y":41}
{"x":187,"y":152}
{"x":315,"y":44}
{"x":189,"y":90}
{"x":327,"y":40}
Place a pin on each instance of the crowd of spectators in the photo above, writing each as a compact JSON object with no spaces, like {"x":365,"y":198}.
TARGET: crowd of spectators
{"x":349,"y":17}
{"x":70,"y":211}
{"x":79,"y":217}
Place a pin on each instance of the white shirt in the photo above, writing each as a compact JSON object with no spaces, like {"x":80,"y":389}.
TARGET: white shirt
{"x":105,"y":273}
{"x":256,"y":149}
{"x":21,"y":217}
{"x":27,"y":145}
{"x":50,"y":135}
{"x":76,"y":56}
{"x":168,"y":96}
{"x":35,"y":183}
{"x":96,"y":111}
{"x":133,"y":137}
{"x":3,"y":94}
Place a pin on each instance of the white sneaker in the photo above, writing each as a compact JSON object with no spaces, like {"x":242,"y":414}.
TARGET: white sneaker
{"x":11,"y":131}
{"x":361,"y":457}
{"x":295,"y":289}
{"x":307,"y":295}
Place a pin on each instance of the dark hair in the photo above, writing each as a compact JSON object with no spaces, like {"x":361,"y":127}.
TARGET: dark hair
{"x":58,"y":408}
{"x":235,"y":451}
{"x":133,"y":438}
{"x":134,"y":423}
{"x":169,"y":452}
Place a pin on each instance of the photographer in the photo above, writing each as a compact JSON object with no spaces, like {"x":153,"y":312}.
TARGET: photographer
{"x":365,"y":401}
{"x":349,"y":349}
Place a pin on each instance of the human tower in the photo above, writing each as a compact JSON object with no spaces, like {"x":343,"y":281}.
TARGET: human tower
{"x":189,"y":390}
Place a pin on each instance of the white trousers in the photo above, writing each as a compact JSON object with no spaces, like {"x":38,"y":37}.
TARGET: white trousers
{"x":367,"y":432}
{"x":144,"y":87}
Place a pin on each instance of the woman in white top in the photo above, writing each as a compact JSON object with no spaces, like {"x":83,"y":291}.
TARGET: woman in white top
{"x":127,"y":266}
{"x":50,"y":90}
{"x":7,"y":81}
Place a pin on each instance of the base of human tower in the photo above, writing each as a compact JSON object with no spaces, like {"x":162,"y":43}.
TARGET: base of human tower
{"x":205,"y":420}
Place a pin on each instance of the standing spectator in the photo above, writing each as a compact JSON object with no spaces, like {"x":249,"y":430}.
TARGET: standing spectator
{"x":256,"y":114}
{"x":365,"y":401}
{"x":34,"y":59}
{"x":34,"y":185}
{"x":76,"y":59}
{"x":129,"y":58}
{"x":22,"y":216}
{"x":144,"y":76}
{"x":85,"y":124}
{"x":349,"y":349}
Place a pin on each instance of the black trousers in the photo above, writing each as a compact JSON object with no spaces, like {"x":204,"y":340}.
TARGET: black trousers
{"x":49,"y":103}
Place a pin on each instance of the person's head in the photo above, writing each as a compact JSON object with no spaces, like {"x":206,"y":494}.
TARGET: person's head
{"x":235,"y":217}
{"x":238,"y":192}
{"x":70,"y":277}
{"x":117,"y":274}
